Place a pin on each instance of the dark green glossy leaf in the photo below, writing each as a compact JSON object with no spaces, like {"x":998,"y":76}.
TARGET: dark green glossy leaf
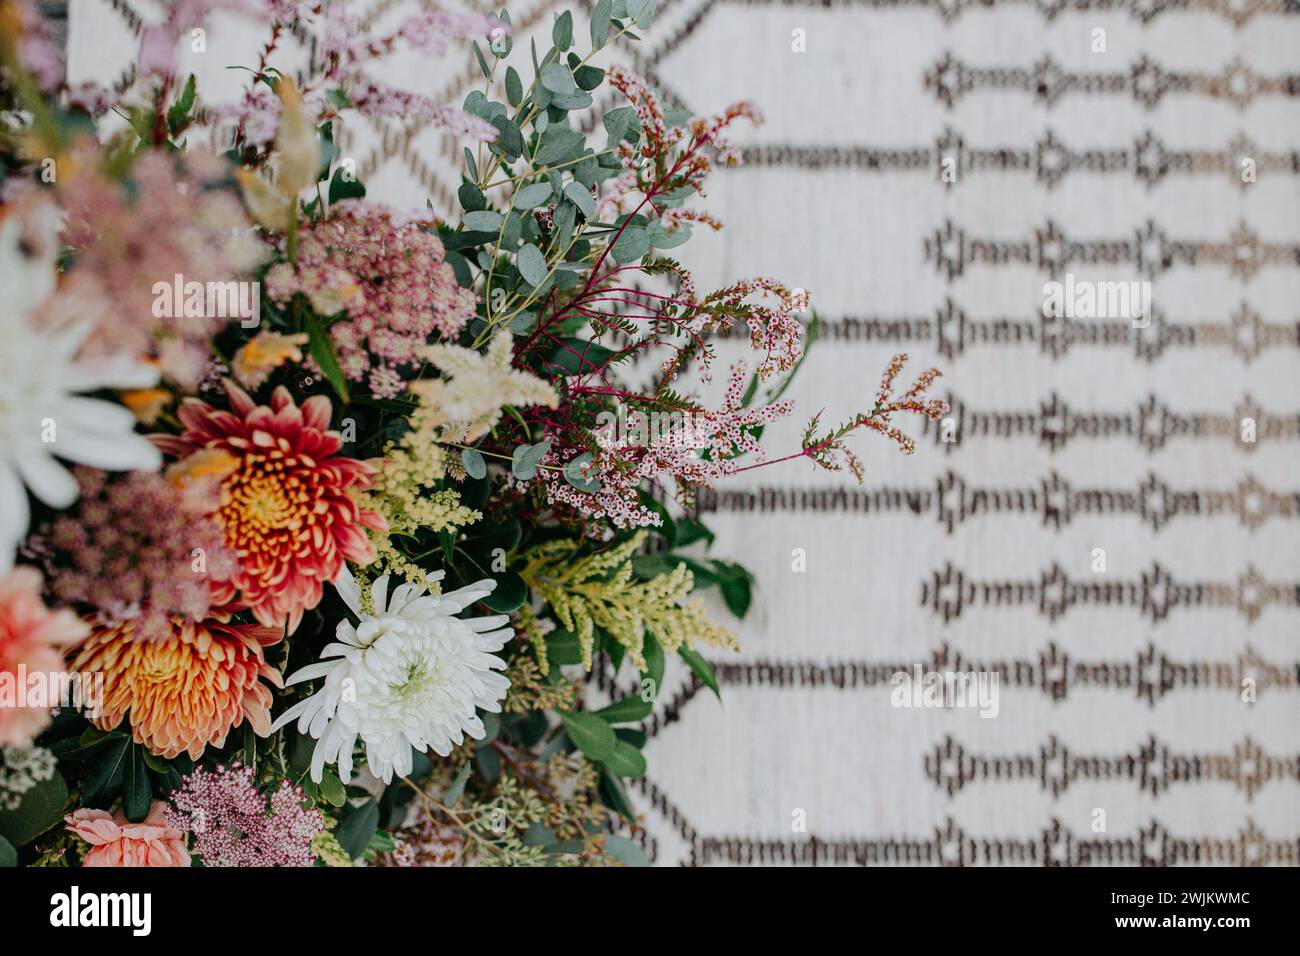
{"x":357,"y":828}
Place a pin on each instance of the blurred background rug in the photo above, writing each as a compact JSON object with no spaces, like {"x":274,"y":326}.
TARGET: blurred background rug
{"x":1096,"y":530}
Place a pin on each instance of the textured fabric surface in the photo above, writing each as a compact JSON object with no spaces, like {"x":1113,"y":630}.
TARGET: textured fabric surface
{"x":1120,"y":690}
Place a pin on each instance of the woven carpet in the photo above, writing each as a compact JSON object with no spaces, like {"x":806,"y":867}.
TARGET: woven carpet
{"x":1107,"y":520}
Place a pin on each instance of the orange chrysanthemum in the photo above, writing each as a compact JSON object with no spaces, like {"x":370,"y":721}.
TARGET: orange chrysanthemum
{"x":185,"y":692}
{"x":286,"y":505}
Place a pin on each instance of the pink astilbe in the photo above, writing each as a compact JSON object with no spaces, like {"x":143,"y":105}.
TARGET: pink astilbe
{"x":236,"y":825}
{"x":137,"y":548}
{"x":391,"y":275}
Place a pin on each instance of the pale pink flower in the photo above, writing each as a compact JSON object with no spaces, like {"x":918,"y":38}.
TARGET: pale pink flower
{"x":33,"y":636}
{"x":115,"y":841}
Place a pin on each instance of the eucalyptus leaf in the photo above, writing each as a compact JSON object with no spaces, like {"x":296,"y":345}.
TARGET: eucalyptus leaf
{"x":581,"y":198}
{"x":600,"y":18}
{"x":473,"y":461}
{"x":457,"y":788}
{"x":483,"y":220}
{"x":514,"y":87}
{"x":557,"y":78}
{"x":631,"y":245}
{"x":532,"y":265}
{"x":532,"y":195}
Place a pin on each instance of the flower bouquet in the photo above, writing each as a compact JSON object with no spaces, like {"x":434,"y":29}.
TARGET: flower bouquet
{"x":318,"y":514}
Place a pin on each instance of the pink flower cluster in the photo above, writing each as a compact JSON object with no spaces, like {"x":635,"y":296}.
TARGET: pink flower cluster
{"x":701,"y":450}
{"x":137,"y":548}
{"x":170,"y":223}
{"x":236,"y":825}
{"x":393,"y":278}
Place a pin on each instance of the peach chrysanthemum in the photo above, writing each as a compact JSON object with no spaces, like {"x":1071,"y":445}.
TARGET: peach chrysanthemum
{"x":286,"y":505}
{"x":31,"y":635}
{"x":186,"y":692}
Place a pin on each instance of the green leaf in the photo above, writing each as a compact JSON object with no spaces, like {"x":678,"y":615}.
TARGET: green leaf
{"x":482,"y":63}
{"x":473,"y":461}
{"x":137,"y":794}
{"x":532,"y":265}
{"x":511,"y":141}
{"x":736,"y":588}
{"x":557,"y":78}
{"x":620,"y":123}
{"x":590,"y":734}
{"x":357,"y":828}
{"x":514,"y":87}
{"x":702,"y":670}
{"x":688,"y":532}
{"x":525,"y":458}
{"x":629,"y":710}
{"x":626,"y":760}
{"x":532,"y":196}
{"x":483,"y":220}
{"x":581,"y":198}
{"x":558,"y":144}
{"x":471,"y":200}
{"x":562,"y":31}
{"x":631,"y":245}
{"x":332,"y":789}
{"x":40,"y":808}
{"x":625,"y":851}
{"x":457,"y":788}
{"x":488,"y":762}
{"x":8,"y":855}
{"x":104,"y":776}
{"x":322,"y":350}
{"x":343,"y":185}
{"x":179,"y":112}
{"x":509,"y":595}
{"x":614,"y":793}
{"x":600,"y":18}
{"x":642,"y":11}
{"x":654,"y":660}
{"x":562,"y":647}
{"x":587,"y":77}
{"x":576,"y":357}
{"x":573,"y":474}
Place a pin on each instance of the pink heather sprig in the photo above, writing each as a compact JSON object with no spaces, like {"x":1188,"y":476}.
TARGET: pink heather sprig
{"x":775,"y":331}
{"x":702,"y":449}
{"x":829,"y":451}
{"x":130,"y":551}
{"x":234,"y":824}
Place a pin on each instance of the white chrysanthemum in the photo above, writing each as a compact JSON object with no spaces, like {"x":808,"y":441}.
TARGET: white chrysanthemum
{"x":41,"y":416}
{"x":410,"y":676}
